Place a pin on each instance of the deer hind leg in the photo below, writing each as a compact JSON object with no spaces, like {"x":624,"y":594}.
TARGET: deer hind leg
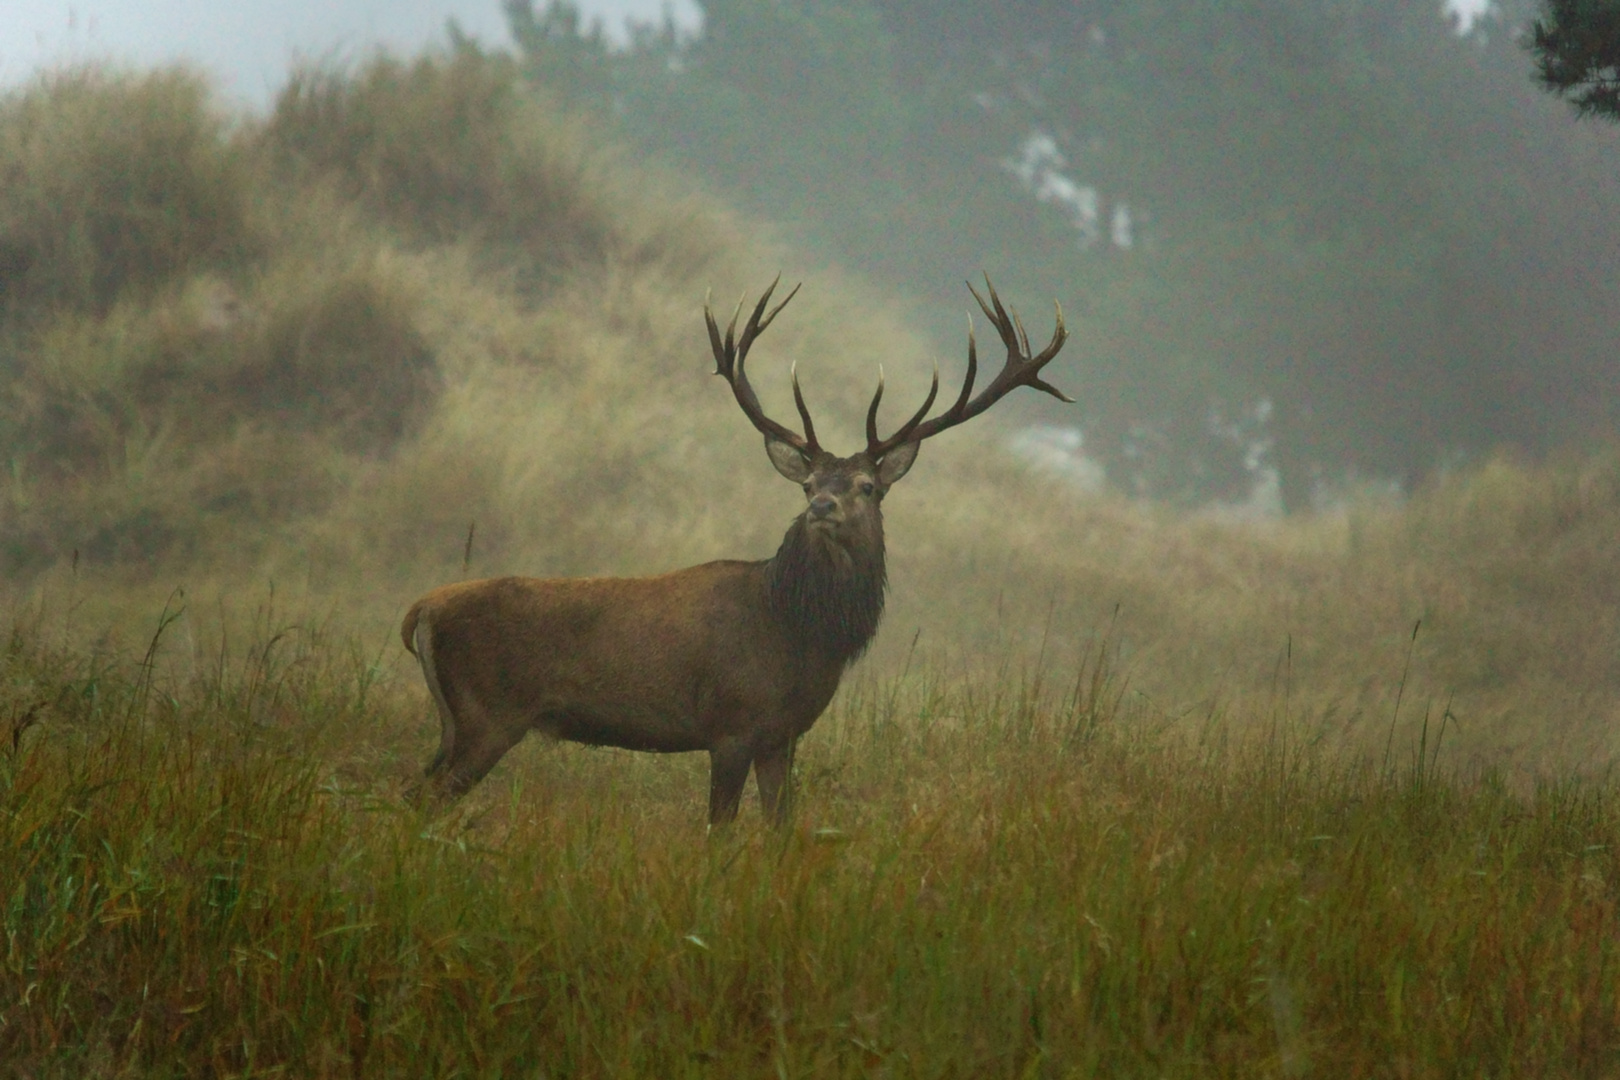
{"x":773,"y":773}
{"x":478,"y":746}
{"x":423,"y":642}
{"x":728,"y":772}
{"x":470,"y":740}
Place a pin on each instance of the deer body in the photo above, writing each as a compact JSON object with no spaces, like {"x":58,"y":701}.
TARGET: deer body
{"x":736,"y":658}
{"x":727,"y":658}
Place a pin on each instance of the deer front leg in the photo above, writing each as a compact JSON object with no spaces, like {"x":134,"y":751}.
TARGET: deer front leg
{"x":773,"y":772}
{"x":728,"y":772}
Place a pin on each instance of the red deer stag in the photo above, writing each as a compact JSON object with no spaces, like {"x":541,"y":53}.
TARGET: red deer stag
{"x":736,"y":658}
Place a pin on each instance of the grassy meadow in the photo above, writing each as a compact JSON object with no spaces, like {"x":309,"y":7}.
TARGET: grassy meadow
{"x":1016,"y":876}
{"x":1120,"y":791}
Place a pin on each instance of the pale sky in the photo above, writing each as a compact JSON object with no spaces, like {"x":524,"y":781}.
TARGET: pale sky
{"x":248,"y":45}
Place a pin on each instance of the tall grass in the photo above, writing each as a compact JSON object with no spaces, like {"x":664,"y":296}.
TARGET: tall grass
{"x":209,"y":874}
{"x":116,"y":183}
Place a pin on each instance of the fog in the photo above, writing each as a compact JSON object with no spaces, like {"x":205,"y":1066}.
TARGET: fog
{"x":1305,"y":248}
{"x":1338,"y":281}
{"x":247,"y":47}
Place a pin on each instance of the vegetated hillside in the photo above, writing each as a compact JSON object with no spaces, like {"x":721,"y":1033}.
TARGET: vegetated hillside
{"x":314,"y":352}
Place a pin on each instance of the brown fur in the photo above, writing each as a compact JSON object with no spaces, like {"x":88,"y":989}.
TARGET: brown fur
{"x":736,"y":658}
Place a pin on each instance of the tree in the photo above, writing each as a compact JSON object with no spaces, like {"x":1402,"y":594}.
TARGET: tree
{"x":561,"y":52}
{"x":1576,"y":45}
{"x":789,"y":108}
{"x":1352,"y":231}
{"x":1358,"y":213}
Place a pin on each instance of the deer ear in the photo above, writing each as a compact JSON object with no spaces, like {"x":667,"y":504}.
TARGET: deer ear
{"x":897,"y":462}
{"x":789,"y":460}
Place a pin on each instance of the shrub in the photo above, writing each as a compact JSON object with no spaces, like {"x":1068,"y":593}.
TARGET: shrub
{"x":111,"y":181}
{"x":446,"y":150}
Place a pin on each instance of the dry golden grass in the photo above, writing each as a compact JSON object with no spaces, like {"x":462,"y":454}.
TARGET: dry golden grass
{"x":438,"y":305}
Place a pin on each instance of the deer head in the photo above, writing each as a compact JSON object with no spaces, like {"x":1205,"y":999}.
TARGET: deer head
{"x":844,"y":492}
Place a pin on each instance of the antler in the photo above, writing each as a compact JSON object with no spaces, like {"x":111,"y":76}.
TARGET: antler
{"x":1021,"y":369}
{"x":730,"y":356}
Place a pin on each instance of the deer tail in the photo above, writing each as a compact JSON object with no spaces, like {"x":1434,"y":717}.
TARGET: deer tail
{"x":407,"y":629}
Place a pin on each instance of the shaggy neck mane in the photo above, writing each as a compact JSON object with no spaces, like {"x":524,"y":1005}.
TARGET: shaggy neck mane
{"x":829,"y":596}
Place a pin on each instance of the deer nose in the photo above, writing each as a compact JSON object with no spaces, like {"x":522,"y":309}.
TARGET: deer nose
{"x":822,"y":505}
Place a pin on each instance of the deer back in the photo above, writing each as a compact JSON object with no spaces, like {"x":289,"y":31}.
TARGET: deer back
{"x":671,"y":662}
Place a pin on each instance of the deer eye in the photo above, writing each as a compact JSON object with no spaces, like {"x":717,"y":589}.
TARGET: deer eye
{"x":867,"y":488}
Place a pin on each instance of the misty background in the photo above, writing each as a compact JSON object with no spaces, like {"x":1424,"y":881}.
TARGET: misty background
{"x":1304,"y":249}
{"x":435,"y":314}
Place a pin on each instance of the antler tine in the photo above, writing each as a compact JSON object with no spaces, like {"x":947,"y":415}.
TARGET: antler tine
{"x":972,"y":373}
{"x":999,"y":317}
{"x":719,"y":347}
{"x":874,"y":445}
{"x":798,"y":400}
{"x":1016,"y":339}
{"x":1060,"y":334}
{"x":756,"y":326}
{"x":1023,"y":335}
{"x":1020,"y":369}
{"x":928,"y":403}
{"x":731,"y":357}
